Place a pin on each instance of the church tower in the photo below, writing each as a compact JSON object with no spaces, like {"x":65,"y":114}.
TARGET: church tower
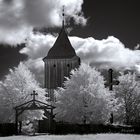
{"x":60,"y":60}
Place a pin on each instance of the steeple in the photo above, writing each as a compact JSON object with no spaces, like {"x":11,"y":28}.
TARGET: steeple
{"x":62,"y":47}
{"x":63,"y":15}
{"x":59,"y":62}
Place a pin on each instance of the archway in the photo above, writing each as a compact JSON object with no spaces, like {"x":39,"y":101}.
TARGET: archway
{"x":34,"y":105}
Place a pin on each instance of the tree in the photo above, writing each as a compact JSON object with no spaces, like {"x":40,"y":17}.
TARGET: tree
{"x":84,"y":99}
{"x":128,"y":95}
{"x":16,"y":89}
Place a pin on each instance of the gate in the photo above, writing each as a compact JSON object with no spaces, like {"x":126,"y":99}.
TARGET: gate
{"x":34,"y":105}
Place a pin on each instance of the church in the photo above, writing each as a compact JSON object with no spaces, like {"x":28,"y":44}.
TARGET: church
{"x":59,"y":62}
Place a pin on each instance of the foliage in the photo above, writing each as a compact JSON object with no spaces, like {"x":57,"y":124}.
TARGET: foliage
{"x":15,"y":89}
{"x":84,"y":99}
{"x":128,"y":95}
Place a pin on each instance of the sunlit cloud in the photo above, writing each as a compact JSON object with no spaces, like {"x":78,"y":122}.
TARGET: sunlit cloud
{"x":103,"y":53}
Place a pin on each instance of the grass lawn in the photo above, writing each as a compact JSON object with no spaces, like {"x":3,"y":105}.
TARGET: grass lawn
{"x":76,"y":137}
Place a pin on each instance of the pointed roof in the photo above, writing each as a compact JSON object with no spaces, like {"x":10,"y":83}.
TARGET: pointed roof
{"x":62,"y":47}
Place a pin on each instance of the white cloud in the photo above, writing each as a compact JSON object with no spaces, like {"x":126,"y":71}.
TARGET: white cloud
{"x":18,"y":17}
{"x":72,"y":8}
{"x":37,"y":45}
{"x":15,"y":36}
{"x":108,"y":52}
{"x":37,"y":67}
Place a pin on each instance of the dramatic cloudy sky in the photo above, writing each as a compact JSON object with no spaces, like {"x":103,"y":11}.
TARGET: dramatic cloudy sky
{"x":103,"y":32}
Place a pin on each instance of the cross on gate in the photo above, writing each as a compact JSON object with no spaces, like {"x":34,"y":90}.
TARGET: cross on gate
{"x":111,"y":82}
{"x":34,"y":94}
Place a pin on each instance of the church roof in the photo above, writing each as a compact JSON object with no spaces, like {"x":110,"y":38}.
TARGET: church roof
{"x":62,"y":47}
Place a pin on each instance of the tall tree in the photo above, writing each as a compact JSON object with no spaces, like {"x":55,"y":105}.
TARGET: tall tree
{"x":16,"y":89}
{"x":128,"y":95}
{"x":84,"y":99}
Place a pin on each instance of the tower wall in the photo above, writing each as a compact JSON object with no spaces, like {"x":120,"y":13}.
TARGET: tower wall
{"x":55,"y":72}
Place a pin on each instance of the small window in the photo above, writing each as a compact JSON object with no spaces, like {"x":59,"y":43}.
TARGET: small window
{"x":68,"y":65}
{"x":79,"y":61}
{"x":54,"y":65}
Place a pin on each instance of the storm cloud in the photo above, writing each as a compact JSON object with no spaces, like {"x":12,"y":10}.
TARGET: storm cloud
{"x":19,"y":17}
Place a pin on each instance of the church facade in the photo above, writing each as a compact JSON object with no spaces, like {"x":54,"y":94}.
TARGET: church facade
{"x":60,"y":60}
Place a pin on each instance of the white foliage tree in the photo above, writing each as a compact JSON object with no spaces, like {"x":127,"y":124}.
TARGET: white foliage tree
{"x":84,"y":99}
{"x":128,"y":95}
{"x":15,"y":90}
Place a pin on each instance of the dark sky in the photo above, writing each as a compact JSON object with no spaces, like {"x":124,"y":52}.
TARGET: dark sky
{"x":119,"y":18}
{"x":9,"y":57}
